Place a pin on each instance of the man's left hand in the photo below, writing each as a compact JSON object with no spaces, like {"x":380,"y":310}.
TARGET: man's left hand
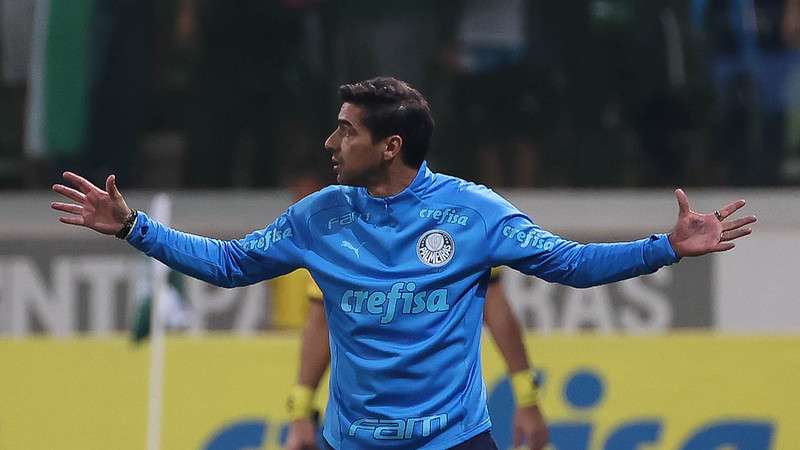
{"x":697,"y":234}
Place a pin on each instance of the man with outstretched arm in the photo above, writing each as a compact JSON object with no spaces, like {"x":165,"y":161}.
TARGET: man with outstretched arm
{"x":403,"y":256}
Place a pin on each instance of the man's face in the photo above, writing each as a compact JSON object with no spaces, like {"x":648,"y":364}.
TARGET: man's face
{"x":356,"y":158}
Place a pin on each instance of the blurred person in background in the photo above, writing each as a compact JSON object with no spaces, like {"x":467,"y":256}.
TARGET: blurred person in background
{"x":756,"y":69}
{"x":629,"y":112}
{"x":91,"y":67}
{"x":168,"y":82}
{"x":122,"y":71}
{"x":420,"y":376}
{"x":391,"y":36}
{"x":530,"y":427}
{"x":16,"y":28}
{"x":791,"y":33}
{"x":252,"y":89}
{"x":289,"y":292}
{"x":497,"y":92}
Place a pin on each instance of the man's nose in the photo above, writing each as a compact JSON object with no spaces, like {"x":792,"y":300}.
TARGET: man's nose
{"x":331,"y":144}
{"x":328,"y":143}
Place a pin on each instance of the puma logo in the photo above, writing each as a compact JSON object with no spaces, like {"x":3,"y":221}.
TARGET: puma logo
{"x":347,"y":244}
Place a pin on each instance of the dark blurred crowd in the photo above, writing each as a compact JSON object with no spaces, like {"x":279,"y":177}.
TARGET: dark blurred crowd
{"x":526,"y":93}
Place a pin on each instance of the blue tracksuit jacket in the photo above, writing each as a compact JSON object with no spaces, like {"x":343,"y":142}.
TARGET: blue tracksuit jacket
{"x":404,"y":280}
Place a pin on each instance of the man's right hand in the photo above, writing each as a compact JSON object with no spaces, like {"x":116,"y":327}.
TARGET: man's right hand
{"x":530,"y":428}
{"x":302,"y":435}
{"x":102,"y":211}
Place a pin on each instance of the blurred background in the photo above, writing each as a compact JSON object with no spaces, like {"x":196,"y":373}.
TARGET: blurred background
{"x":584,"y":113}
{"x":611,"y":93}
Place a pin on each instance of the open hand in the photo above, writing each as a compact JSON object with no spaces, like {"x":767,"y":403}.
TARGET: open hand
{"x":697,"y":234}
{"x":102,"y":211}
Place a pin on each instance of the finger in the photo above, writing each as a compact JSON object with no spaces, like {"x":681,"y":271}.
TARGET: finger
{"x":111,"y":186}
{"x":722,"y":247}
{"x":72,"y":220}
{"x":735,"y":234}
{"x":738,"y":223}
{"x":683,"y":201}
{"x":731,"y":208}
{"x":67,"y":207}
{"x":78,"y":181}
{"x":70,"y":193}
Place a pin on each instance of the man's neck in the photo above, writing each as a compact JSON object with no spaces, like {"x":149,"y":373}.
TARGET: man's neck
{"x":396,"y":178}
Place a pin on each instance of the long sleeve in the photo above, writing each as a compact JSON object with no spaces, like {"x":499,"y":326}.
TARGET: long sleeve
{"x":266,"y":253}
{"x":519,"y":243}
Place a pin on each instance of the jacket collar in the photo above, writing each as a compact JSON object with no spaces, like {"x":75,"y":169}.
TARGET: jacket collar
{"x":415,"y":189}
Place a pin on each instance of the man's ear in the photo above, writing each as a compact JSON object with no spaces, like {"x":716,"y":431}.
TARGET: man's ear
{"x":393,"y":145}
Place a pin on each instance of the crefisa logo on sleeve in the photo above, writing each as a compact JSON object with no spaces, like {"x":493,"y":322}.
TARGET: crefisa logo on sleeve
{"x":435,"y":248}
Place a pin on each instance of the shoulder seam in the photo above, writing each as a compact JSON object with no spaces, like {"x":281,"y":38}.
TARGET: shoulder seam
{"x":324,"y":208}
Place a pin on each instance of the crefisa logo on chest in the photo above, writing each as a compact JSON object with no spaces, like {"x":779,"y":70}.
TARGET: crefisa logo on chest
{"x":436,"y":248}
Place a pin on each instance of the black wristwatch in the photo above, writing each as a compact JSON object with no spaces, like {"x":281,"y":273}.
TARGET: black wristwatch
{"x":127,"y":225}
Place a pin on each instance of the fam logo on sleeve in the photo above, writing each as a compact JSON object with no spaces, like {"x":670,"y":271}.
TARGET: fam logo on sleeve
{"x":436,"y":248}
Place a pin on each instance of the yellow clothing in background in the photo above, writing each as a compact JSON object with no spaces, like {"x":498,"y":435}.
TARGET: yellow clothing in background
{"x":313,"y":291}
{"x":290,"y":299}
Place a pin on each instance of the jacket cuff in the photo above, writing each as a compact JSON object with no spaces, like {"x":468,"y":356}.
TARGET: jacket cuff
{"x":659,"y":252}
{"x":138,"y":236}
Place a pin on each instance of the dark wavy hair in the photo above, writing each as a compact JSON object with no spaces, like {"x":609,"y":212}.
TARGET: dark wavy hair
{"x":392,"y":106}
